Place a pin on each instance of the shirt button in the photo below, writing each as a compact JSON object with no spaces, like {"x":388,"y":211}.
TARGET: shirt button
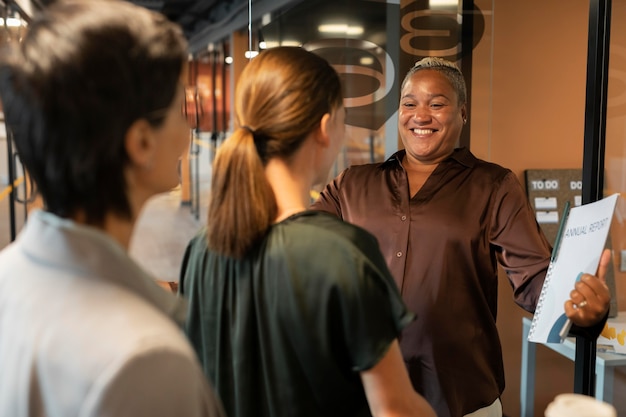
{"x":403,"y":218}
{"x":399,"y":254}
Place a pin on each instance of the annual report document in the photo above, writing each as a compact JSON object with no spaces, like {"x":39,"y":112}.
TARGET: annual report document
{"x":577,"y":250}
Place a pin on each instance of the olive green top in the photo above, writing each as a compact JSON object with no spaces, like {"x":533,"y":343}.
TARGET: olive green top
{"x":286,"y":330}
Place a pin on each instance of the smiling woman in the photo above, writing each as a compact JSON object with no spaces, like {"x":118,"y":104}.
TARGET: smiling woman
{"x":431,"y":115}
{"x":445,"y":220}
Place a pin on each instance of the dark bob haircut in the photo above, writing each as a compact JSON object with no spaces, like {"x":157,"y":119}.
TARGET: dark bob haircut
{"x":83,"y":74}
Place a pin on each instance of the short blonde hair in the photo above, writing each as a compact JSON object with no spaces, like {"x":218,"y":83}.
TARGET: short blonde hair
{"x":447,"y":68}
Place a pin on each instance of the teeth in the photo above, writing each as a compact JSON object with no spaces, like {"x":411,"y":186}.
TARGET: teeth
{"x":423,"y":131}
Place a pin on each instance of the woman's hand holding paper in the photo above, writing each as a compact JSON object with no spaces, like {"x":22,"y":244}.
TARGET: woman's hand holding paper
{"x":590,"y":299}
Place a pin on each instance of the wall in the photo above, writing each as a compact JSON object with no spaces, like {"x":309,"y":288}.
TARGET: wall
{"x":528,"y":112}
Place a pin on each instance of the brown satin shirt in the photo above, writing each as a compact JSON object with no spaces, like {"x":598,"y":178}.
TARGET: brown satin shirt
{"x":442,"y":247}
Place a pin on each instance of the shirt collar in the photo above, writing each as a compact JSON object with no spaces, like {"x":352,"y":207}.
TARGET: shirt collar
{"x":89,"y":252}
{"x":460,"y":155}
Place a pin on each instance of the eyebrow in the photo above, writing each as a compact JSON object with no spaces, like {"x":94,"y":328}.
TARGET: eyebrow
{"x":430,"y":96}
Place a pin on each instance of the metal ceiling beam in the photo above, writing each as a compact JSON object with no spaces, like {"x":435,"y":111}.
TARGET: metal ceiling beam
{"x":237,"y":20}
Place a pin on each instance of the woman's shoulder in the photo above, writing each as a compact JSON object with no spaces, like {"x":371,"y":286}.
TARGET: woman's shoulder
{"x":328,"y":248}
{"x":375,"y":168}
{"x":324,"y":230}
{"x":301,"y":235}
{"x":323,"y":222}
{"x":480,"y":168}
{"x":198,"y":242}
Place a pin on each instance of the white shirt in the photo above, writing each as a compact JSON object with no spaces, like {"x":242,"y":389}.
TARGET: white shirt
{"x":84,"y":331}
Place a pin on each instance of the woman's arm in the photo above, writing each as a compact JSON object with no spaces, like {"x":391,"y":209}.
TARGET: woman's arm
{"x":388,"y":388}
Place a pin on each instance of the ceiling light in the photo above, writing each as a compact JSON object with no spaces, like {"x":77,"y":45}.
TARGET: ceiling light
{"x":290,"y":43}
{"x":11,"y":21}
{"x":340,"y":28}
{"x":271,"y":44}
{"x":366,"y":60}
{"x":442,"y":3}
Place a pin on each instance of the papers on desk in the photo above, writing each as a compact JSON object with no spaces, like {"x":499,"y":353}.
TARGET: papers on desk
{"x":577,"y":250}
{"x":613,"y":337}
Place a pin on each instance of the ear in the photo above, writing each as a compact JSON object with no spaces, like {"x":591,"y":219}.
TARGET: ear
{"x":323,"y":138}
{"x":140,"y":144}
{"x":464,"y":113}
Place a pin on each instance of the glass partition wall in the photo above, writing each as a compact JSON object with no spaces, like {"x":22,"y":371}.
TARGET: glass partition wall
{"x":614,"y":171}
{"x":615,"y":154}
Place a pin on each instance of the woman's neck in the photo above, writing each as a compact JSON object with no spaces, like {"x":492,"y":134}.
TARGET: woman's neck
{"x":417,"y":166}
{"x":118,"y":228}
{"x":289,"y":186}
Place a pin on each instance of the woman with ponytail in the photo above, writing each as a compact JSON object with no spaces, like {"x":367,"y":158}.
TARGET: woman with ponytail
{"x":291,"y":312}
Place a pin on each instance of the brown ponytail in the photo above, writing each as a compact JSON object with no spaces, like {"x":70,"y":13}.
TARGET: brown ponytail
{"x":281,"y":96}
{"x":242,"y":204}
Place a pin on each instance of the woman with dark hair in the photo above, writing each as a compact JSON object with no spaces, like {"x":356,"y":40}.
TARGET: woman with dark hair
{"x":292,"y":312}
{"x":93,"y":98}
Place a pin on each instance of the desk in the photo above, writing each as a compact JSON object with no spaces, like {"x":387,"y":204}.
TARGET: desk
{"x":605,"y":362}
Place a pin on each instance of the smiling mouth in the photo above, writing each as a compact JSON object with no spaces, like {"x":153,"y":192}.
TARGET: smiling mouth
{"x":423,"y":131}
